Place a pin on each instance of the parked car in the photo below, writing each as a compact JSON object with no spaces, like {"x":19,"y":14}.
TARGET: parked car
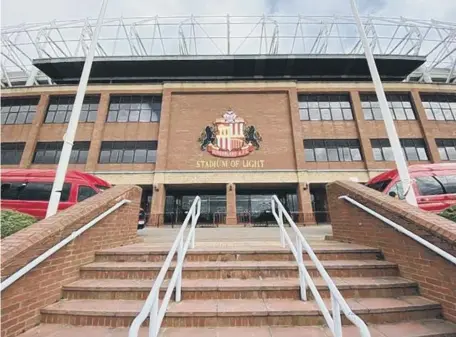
{"x":142,"y":219}
{"x":28,"y":190}
{"x":434,"y":185}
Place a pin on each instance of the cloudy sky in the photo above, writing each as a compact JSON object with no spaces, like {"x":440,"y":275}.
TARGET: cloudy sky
{"x":26,"y":11}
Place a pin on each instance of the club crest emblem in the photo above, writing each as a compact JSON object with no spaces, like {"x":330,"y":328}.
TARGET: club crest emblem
{"x":229,"y":137}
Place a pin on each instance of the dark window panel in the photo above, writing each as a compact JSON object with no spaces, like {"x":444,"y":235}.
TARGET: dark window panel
{"x":49,"y":153}
{"x":60,"y":109}
{"x":413,"y":149}
{"x":128,"y":152}
{"x":447,"y":149}
{"x":18,"y":111}
{"x":332,"y":150}
{"x":325,"y":107}
{"x":134,"y":109}
{"x":399,"y":104}
{"x":440,"y":107}
{"x":11,"y":153}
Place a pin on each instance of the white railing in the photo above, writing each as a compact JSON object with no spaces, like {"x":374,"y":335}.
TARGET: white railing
{"x":24,"y":270}
{"x":401,"y":229}
{"x":151,"y":307}
{"x":338,"y":303}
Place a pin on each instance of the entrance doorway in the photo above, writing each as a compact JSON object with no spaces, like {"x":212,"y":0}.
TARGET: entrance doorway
{"x":319,"y":202}
{"x":179,"y":199}
{"x":253,"y":202}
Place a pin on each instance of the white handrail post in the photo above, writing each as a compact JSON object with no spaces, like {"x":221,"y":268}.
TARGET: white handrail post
{"x":153,"y":319}
{"x":302,"y":280}
{"x":282,"y":234}
{"x":337,"y":323}
{"x":193,"y":229}
{"x":180,"y":252}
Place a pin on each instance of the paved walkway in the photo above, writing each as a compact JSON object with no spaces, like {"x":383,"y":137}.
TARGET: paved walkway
{"x":252,"y":235}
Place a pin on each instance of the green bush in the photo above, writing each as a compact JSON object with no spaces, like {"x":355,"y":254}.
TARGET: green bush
{"x":12,"y":222}
{"x":450,"y":213}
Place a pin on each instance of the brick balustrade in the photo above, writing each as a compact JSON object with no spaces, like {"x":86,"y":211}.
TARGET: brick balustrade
{"x":22,"y":301}
{"x":435,"y":275}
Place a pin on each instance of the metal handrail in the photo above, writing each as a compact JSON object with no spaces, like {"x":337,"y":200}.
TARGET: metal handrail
{"x":151,"y":307}
{"x":24,"y":270}
{"x":401,"y":229}
{"x":338,"y":303}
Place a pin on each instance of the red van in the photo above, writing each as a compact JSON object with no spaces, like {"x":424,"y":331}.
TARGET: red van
{"x":28,"y":190}
{"x":434,"y":185}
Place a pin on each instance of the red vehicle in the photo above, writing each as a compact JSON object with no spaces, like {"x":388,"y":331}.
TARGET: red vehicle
{"x":434,"y":185}
{"x":28,"y":190}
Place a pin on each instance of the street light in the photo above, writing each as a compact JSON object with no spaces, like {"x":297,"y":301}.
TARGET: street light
{"x":68,"y":138}
{"x":399,"y":158}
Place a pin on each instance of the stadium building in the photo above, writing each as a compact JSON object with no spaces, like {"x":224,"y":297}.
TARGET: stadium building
{"x":228,"y":108}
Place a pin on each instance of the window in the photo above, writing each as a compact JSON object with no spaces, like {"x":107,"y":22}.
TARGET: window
{"x":49,"y":153}
{"x":447,"y":149}
{"x":429,"y":186}
{"x":380,"y":186}
{"x":448,"y":182}
{"x":60,"y":107}
{"x":325,"y":107}
{"x":18,"y":111}
{"x":414,"y":149}
{"x":134,"y":109}
{"x":332,"y":150}
{"x":12,"y":153}
{"x":32,"y":191}
{"x":128,"y":152}
{"x":399,"y":105}
{"x":85,"y":192}
{"x":440,"y":107}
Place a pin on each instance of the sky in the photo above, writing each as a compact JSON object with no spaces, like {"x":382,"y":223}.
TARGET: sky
{"x":15,"y":12}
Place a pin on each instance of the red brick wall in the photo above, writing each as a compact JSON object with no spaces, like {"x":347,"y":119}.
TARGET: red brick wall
{"x":21,"y":303}
{"x":435,"y":275}
{"x":268,"y":111}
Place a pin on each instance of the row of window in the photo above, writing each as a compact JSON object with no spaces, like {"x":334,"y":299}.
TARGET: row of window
{"x":338,"y":107}
{"x":134,"y":108}
{"x":414,"y":149}
{"x":111,"y":152}
{"x":146,"y":108}
{"x":321,"y":150}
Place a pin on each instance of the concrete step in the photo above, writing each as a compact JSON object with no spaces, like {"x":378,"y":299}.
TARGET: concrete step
{"x":125,"y":289}
{"x":238,"y":269}
{"x":323,"y":250}
{"x":420,"y":328}
{"x":239,"y":312}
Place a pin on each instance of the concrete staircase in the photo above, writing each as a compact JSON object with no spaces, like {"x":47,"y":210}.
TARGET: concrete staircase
{"x":232,"y":291}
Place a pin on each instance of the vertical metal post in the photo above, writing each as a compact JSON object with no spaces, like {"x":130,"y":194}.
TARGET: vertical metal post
{"x":74,"y":119}
{"x":282,"y":234}
{"x":337,"y":323}
{"x":193,"y":227}
{"x":399,"y":158}
{"x":153,"y":318}
{"x":302,"y":280}
{"x":180,"y":253}
{"x":228,"y":34}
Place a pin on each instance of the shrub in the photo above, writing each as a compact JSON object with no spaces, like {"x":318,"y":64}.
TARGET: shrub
{"x":12,"y":222}
{"x":450,"y":213}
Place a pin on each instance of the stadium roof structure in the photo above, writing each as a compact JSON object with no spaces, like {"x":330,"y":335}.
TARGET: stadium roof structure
{"x":228,"y":47}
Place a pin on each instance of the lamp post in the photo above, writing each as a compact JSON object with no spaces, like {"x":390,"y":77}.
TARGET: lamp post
{"x":399,"y":157}
{"x":74,"y":119}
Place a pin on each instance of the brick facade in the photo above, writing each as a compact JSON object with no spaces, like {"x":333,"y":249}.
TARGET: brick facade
{"x":272,"y":107}
{"x":21,"y":303}
{"x":434,"y":274}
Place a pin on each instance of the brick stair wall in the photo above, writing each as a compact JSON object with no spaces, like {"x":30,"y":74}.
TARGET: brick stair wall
{"x":23,"y":300}
{"x":435,"y":275}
